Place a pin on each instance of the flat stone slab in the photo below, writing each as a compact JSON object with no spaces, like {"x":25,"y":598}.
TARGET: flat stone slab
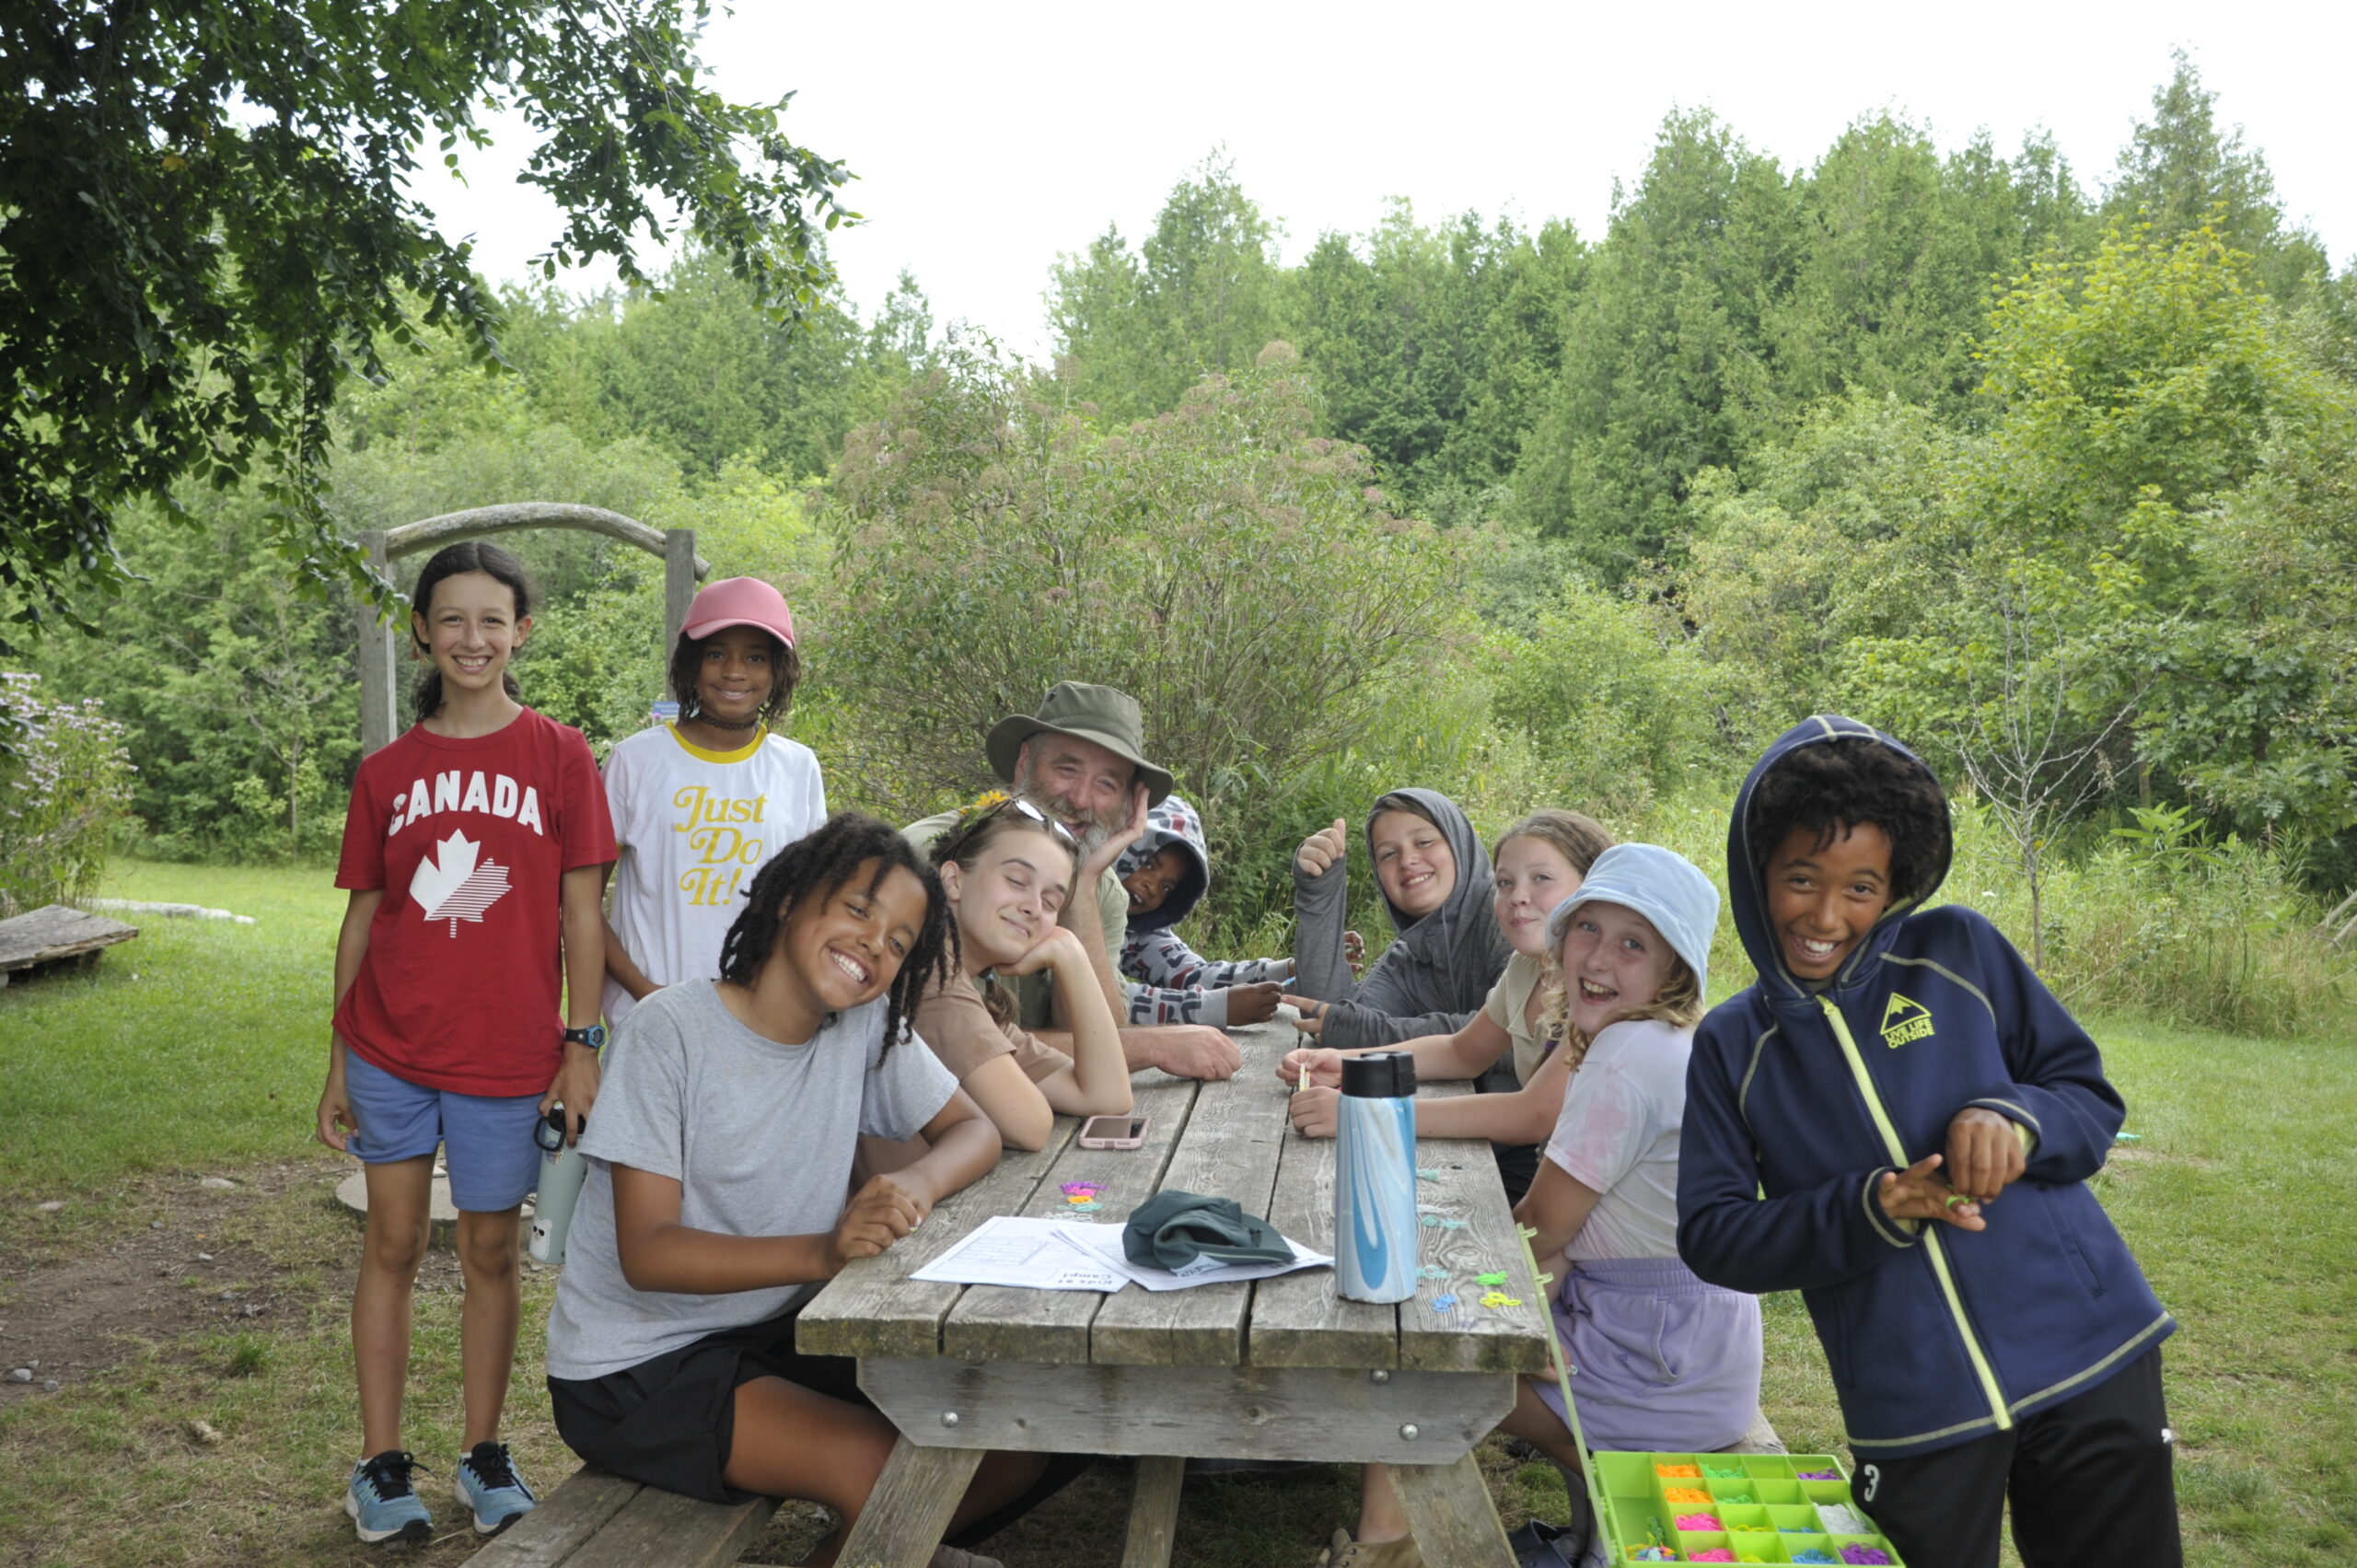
{"x":353,"y":1193}
{"x":170,"y":911}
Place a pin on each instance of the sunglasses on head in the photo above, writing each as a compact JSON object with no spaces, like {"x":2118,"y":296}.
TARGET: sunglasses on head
{"x":1039,"y":816}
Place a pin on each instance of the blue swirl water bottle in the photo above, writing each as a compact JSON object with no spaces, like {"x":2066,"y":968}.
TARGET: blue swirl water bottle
{"x":1374,"y":1178}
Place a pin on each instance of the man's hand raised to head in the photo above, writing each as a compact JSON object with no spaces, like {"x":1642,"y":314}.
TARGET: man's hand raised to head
{"x":1118,"y":839}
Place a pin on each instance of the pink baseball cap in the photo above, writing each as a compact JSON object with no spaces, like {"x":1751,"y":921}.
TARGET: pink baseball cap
{"x":739,"y":601}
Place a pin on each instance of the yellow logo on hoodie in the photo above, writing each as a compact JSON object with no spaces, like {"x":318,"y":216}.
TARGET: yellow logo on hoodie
{"x":1903,"y":1021}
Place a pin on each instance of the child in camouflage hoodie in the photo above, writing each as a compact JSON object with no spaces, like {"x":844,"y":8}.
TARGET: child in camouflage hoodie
{"x":1166,"y":873}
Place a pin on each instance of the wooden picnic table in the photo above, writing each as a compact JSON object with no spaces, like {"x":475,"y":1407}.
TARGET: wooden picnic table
{"x":1281,"y":1368}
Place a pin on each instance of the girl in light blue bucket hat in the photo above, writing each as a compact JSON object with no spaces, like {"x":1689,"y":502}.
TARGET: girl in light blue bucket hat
{"x":1663,"y":1361}
{"x":1666,"y":1362}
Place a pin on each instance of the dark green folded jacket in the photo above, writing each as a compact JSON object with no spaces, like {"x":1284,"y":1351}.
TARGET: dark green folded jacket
{"x":1185,"y":1231}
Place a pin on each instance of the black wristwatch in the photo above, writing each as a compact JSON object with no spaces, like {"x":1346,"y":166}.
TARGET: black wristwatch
{"x":594,"y":1037}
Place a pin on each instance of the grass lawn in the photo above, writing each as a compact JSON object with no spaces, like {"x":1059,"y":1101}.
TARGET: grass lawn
{"x":198,"y":1050}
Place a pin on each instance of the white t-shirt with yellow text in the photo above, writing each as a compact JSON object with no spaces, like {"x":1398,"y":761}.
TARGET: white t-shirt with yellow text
{"x":693,"y":827}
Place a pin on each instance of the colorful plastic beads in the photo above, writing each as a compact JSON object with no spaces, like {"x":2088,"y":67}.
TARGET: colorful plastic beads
{"x":1840,"y":1521}
{"x":1689,"y":1496}
{"x":1817,"y":1475}
{"x":1676,"y":1473}
{"x":1700,"y":1523}
{"x":1864,"y":1555}
{"x":1813,"y":1555}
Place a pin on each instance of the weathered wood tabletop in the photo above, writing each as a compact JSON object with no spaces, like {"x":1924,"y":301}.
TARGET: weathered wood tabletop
{"x":1277,"y":1369}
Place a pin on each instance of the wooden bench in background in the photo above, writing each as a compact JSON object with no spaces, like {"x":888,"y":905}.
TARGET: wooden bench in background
{"x":55,"y":933}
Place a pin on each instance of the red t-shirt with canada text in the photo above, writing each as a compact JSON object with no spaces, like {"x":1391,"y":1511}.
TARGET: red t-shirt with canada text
{"x":469,"y":840}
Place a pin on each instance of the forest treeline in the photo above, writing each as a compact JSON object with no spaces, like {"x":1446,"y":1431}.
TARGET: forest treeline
{"x":2056,"y":476}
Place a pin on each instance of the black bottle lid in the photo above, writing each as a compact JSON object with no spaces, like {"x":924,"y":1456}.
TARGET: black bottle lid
{"x":1382,"y":1075}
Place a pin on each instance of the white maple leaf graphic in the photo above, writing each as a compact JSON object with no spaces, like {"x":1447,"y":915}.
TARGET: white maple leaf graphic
{"x":450,"y":886}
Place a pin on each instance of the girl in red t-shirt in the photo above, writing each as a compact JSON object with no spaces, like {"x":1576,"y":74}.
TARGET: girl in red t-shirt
{"x":475,"y":852}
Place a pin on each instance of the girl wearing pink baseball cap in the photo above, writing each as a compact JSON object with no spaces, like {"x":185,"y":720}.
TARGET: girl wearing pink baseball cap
{"x":699,"y":804}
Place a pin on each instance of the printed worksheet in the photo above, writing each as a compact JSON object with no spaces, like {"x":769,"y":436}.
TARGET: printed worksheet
{"x":1031,"y":1254}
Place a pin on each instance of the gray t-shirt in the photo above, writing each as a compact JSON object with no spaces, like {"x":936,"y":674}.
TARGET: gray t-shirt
{"x":760,"y":1137}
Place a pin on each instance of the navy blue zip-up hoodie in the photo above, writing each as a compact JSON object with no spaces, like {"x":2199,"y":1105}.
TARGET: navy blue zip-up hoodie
{"x":1936,"y":1335}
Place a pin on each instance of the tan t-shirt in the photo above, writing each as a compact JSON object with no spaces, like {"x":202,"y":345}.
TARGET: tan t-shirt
{"x":1035,"y":993}
{"x":954,"y":1022}
{"x":1509,"y":1000}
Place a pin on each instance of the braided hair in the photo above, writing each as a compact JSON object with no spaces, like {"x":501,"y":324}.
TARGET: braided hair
{"x":816,"y":867}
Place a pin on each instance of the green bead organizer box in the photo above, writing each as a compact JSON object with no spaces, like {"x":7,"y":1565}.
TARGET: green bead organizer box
{"x":1732,"y":1508}
{"x":1719,"y":1507}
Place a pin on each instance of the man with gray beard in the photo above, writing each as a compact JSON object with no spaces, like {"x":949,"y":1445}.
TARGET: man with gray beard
{"x":1081,"y":761}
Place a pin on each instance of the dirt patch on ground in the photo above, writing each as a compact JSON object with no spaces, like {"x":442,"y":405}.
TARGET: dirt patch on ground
{"x":185,"y":1271}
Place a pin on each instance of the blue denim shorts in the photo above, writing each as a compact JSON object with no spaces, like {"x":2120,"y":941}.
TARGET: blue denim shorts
{"x":487,"y":1139}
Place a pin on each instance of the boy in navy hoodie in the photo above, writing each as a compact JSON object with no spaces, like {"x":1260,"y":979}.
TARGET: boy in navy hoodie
{"x":1897,"y":1120}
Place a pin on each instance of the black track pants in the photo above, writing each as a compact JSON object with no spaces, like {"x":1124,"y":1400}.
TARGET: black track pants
{"x":2089,"y":1479}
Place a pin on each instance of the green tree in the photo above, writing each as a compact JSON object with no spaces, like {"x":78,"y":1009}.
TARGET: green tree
{"x":208,"y":226}
{"x":1428,"y":344}
{"x":2181,"y":172}
{"x":698,"y":369}
{"x":1222,"y":562}
{"x":1667,"y":350}
{"x":1200,"y":294}
{"x":1900,"y":249}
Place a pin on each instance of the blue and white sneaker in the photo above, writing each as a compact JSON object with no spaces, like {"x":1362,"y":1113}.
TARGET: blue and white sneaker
{"x":491,"y":1490}
{"x":383,"y":1504}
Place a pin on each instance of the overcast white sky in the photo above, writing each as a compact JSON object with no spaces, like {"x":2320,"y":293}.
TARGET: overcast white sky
{"x":988,"y":139}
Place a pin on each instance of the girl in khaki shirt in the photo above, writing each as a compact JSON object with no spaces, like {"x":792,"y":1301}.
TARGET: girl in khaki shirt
{"x":1008,"y":872}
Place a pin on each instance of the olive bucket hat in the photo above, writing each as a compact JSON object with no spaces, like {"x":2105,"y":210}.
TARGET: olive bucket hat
{"x":1099,"y":714}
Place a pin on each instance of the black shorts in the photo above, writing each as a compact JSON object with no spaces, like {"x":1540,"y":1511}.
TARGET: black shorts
{"x":668,"y":1422}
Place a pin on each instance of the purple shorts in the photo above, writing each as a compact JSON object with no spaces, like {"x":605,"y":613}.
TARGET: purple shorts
{"x":1660,"y":1361}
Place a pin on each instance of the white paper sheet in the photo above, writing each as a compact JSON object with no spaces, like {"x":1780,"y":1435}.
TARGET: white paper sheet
{"x":1032,"y":1254}
{"x":1103,"y":1244}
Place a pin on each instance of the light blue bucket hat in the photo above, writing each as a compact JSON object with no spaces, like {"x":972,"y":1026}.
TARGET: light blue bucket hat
{"x":1662,"y":885}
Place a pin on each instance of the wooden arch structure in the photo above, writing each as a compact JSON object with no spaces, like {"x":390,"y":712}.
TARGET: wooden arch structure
{"x":380,"y":640}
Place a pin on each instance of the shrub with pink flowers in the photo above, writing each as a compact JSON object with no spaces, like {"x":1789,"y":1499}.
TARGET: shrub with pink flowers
{"x":65,"y":778}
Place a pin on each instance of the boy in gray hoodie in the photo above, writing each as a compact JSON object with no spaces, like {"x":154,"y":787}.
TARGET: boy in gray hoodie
{"x":1167,"y":872}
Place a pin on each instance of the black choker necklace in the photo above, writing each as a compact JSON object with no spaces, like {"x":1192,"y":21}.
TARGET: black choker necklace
{"x":700,"y":716}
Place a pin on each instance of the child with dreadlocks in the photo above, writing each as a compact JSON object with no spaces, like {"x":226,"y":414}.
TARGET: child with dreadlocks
{"x":718,"y":1160}
{"x":699,"y":804}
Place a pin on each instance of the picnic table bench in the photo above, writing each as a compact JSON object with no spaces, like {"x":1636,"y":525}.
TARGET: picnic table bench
{"x":1280,"y":1368}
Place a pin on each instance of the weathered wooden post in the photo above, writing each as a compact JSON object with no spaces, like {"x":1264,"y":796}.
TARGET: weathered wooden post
{"x":679,"y":576}
{"x":380,"y":717}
